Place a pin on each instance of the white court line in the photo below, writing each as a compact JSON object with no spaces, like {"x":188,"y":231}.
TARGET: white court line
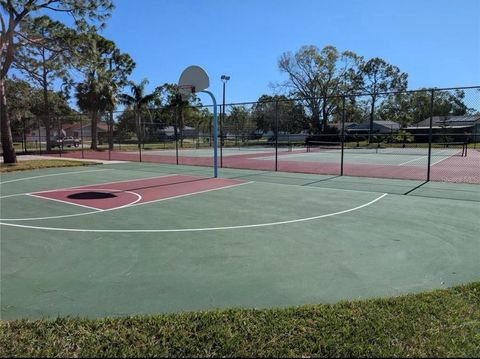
{"x":195,"y":229}
{"x":14,"y":195}
{"x":89,"y":185}
{"x":416,"y":159}
{"x":421,"y":158}
{"x":55,"y":174}
{"x":443,"y":159}
{"x":139,"y":198}
{"x":124,"y":206}
{"x":61,"y":201}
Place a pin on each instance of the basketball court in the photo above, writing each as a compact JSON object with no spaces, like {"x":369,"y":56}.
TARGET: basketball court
{"x":132,"y":238}
{"x":147,"y":238}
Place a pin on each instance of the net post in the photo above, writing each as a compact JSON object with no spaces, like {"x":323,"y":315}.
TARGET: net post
{"x":430,"y":135}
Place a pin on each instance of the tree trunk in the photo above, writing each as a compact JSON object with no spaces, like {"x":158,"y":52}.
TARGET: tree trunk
{"x":316,"y":125}
{"x":93,"y":144}
{"x":9,"y":155}
{"x":138,"y":129}
{"x":324,"y":115}
{"x":110,"y":131}
{"x":181,"y":127}
{"x":46,"y":109}
{"x":46,"y":117}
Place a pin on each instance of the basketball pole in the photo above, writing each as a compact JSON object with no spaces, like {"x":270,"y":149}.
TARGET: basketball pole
{"x":215,"y":133}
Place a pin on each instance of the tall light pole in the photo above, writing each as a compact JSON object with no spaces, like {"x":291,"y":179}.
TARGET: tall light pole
{"x":224,"y":79}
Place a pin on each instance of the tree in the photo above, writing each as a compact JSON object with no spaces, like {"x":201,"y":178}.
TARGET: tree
{"x":138,"y":101}
{"x":19,"y":97}
{"x":398,"y":108}
{"x":240,"y":123}
{"x":376,"y":76}
{"x":182,"y":110}
{"x":26,"y":106}
{"x":201,"y":119}
{"x":412,"y":107}
{"x":105,"y":73}
{"x":317,"y":77}
{"x":13,"y":13}
{"x":290,"y":114}
{"x":47,"y":58}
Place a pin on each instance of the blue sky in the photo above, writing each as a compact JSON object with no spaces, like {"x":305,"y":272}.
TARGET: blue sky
{"x":437,"y":42}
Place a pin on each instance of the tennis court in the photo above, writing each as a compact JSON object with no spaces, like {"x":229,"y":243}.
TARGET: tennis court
{"x":226,"y":151}
{"x":446,"y":163}
{"x":370,"y":156}
{"x":138,"y":238}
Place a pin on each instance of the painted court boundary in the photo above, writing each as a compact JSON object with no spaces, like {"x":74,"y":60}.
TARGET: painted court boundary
{"x":54,"y":174}
{"x":134,"y":204}
{"x":139,"y":198}
{"x":76,"y":187}
{"x":195,"y":229}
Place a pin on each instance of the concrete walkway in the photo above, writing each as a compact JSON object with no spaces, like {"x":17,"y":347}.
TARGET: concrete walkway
{"x":37,"y":157}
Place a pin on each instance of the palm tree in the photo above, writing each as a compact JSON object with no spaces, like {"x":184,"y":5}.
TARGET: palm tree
{"x":96,"y":95}
{"x":138,"y":101}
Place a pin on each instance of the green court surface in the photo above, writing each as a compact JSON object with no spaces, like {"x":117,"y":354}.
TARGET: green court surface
{"x":399,"y":158}
{"x":276,"y":240}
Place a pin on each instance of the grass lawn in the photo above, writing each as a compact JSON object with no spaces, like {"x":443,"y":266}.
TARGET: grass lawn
{"x":443,"y":323}
{"x":36,"y":164}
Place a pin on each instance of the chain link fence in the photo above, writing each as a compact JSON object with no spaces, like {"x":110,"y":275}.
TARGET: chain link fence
{"x":429,"y":135}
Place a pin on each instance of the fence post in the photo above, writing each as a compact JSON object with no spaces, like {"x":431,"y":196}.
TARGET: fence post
{"x":39,"y":135}
{"x":60,"y":135}
{"x":176,"y":133}
{"x":343,"y":134}
{"x":221,"y":130}
{"x":430,"y":134}
{"x":139,"y":134}
{"x":110,"y":135}
{"x":475,"y":137}
{"x":81,"y":136}
{"x":24,"y":135}
{"x":276,"y":136}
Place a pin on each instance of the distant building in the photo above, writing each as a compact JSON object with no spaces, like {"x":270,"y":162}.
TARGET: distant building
{"x":188,"y":131}
{"x":459,"y":128}
{"x":348,"y":125}
{"x":74,"y":130}
{"x":379,"y":127}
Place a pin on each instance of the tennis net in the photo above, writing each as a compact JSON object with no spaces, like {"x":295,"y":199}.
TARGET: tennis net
{"x":446,"y":149}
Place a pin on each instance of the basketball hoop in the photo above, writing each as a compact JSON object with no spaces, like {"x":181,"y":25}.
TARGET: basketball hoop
{"x":195,"y":79}
{"x":186,"y":91}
